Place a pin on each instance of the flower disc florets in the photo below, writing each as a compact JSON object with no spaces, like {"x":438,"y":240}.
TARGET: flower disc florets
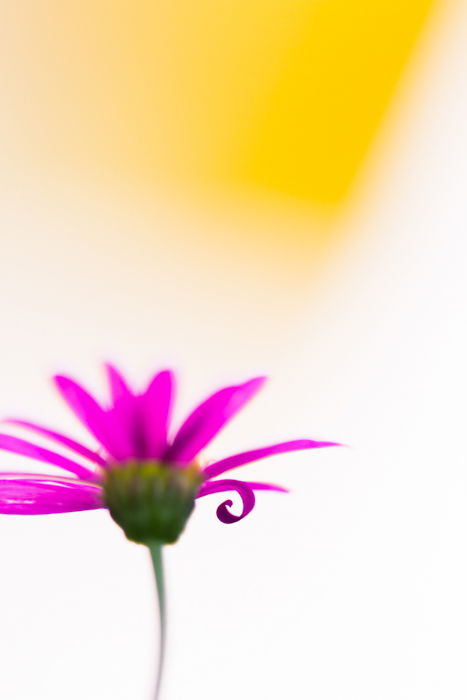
{"x":150,"y":500}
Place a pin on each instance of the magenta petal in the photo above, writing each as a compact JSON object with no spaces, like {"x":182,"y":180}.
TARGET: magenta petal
{"x":242,"y":458}
{"x":119,"y":389}
{"x":261,"y":486}
{"x":61,"y":439}
{"x":125,"y":424}
{"x":242,"y":488}
{"x":28,"y":449}
{"x":39,"y":494}
{"x":88,"y":411}
{"x":208,"y":419}
{"x":156,"y":403}
{"x":124,"y":417}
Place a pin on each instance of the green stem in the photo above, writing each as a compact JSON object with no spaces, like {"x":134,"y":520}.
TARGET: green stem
{"x":156,"y":558}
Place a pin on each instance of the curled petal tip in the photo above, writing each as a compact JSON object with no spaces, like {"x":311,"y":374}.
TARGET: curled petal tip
{"x":244,"y":490}
{"x":227,"y":517}
{"x":224,"y":515}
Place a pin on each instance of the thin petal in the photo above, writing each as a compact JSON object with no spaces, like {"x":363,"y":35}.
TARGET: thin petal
{"x":156,"y":404}
{"x":28,"y":449}
{"x":242,"y":488}
{"x":39,"y":494}
{"x":93,"y":416}
{"x":242,"y":458}
{"x":60,"y":438}
{"x":124,"y":415}
{"x":209,"y":418}
{"x":119,"y":389}
{"x":261,"y":486}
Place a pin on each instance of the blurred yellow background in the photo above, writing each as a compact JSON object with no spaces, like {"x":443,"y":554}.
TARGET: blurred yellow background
{"x":268,"y":97}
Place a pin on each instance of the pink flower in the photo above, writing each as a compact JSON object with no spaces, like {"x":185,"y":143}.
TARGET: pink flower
{"x":146,"y":479}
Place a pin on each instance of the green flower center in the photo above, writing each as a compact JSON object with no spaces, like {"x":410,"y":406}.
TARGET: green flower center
{"x":151,"y":501}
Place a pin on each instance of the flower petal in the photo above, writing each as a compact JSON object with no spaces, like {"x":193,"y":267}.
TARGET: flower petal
{"x":124,"y":415}
{"x":156,"y":404}
{"x":28,"y":449}
{"x":119,"y":389}
{"x":93,"y":416}
{"x":26,"y":494}
{"x":242,"y":458}
{"x":208,"y":419}
{"x":242,"y":488}
{"x":60,"y":438}
{"x":261,"y":486}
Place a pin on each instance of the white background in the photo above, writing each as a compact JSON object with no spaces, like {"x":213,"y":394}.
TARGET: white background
{"x":351,"y":587}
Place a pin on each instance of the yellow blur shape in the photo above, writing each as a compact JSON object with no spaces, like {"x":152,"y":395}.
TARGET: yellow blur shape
{"x":331,"y":91}
{"x":278,"y":96}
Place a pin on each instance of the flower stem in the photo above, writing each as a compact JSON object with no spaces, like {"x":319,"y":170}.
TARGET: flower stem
{"x":156,"y":557}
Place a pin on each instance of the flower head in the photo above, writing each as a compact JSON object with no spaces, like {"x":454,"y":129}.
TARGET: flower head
{"x":147,"y":479}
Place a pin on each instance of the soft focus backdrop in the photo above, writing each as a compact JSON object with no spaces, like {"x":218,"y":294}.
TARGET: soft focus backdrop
{"x":269,"y":186}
